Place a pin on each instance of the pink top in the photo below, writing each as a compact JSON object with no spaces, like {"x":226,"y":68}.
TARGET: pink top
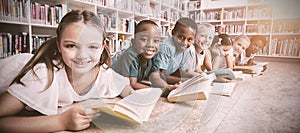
{"x":108,"y":84}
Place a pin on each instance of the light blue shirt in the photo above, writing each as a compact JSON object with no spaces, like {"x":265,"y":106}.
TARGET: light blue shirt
{"x":170,"y":59}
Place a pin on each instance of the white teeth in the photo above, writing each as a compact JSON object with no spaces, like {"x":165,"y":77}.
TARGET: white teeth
{"x":149,"y":52}
{"x":81,"y":63}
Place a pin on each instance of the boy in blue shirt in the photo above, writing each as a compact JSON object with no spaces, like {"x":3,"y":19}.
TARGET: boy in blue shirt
{"x":138,"y":61}
{"x":173,"y":55}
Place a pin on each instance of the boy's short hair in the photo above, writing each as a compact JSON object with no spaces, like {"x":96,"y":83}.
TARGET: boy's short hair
{"x":137,"y":28}
{"x":185,"y":22}
{"x":258,"y":37}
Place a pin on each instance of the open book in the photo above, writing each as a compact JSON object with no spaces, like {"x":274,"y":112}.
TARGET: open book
{"x":224,"y":89}
{"x":195,"y":88}
{"x":135,"y":108}
{"x":253,"y":69}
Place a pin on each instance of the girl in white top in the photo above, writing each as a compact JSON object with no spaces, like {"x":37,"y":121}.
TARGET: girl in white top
{"x":199,"y":53}
{"x":222,"y":52}
{"x":67,"y":69}
{"x":240,"y":44}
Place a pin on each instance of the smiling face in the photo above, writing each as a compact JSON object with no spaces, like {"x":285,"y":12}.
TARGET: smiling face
{"x":240,"y":45}
{"x":204,"y":38}
{"x":256,"y":46}
{"x":79,"y":52}
{"x":184,"y":37}
{"x":147,"y":40}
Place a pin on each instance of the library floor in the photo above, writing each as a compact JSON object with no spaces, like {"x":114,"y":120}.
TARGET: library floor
{"x":266,"y":103}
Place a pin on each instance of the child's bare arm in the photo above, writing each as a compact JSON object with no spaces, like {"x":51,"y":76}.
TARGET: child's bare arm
{"x":136,"y":85}
{"x":170,"y":79}
{"x":157,"y":81}
{"x":207,"y":62}
{"x":73,"y":119}
{"x":229,"y":62}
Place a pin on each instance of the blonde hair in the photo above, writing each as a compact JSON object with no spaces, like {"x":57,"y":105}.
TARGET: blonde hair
{"x":207,"y":26}
{"x":244,"y":38}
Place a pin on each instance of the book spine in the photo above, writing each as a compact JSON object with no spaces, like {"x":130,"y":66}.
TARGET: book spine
{"x":1,"y":45}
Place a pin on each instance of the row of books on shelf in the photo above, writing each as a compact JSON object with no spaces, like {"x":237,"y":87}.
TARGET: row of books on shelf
{"x":234,"y":14}
{"x":283,"y":27}
{"x":258,"y":28}
{"x":141,"y":8}
{"x":283,"y":47}
{"x":194,"y":5}
{"x":171,"y":16}
{"x":239,"y":28}
{"x":111,"y":24}
{"x":264,"y":12}
{"x":37,"y":41}
{"x":47,"y":14}
{"x":109,"y":20}
{"x":118,"y":45}
{"x":238,"y":14}
{"x":211,"y":16}
{"x":230,"y":29}
{"x":125,"y":25}
{"x":177,"y":4}
{"x":22,"y":11}
{"x":11,"y":44}
{"x":14,"y":10}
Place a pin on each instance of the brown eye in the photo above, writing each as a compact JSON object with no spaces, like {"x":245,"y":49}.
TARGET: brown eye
{"x":70,"y":46}
{"x":156,"y":41}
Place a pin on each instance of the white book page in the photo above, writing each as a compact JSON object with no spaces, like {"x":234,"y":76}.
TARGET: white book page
{"x":201,"y":84}
{"x":187,"y":83}
{"x":139,"y":105}
{"x":225,"y":89}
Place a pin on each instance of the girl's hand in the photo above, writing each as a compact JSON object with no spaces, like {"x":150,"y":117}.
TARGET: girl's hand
{"x":75,"y":118}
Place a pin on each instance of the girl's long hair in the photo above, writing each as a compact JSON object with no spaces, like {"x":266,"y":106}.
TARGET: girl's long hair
{"x":49,"y":52}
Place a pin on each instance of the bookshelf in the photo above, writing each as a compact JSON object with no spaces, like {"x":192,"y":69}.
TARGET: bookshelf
{"x":277,"y":20}
{"x":38,"y":19}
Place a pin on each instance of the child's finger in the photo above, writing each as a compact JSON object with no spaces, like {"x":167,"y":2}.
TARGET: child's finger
{"x":94,"y":115}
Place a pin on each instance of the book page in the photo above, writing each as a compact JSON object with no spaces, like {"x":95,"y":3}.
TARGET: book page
{"x":195,"y":90}
{"x":224,"y":89}
{"x":109,"y":111}
{"x":189,"y":82}
{"x":139,"y":105}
